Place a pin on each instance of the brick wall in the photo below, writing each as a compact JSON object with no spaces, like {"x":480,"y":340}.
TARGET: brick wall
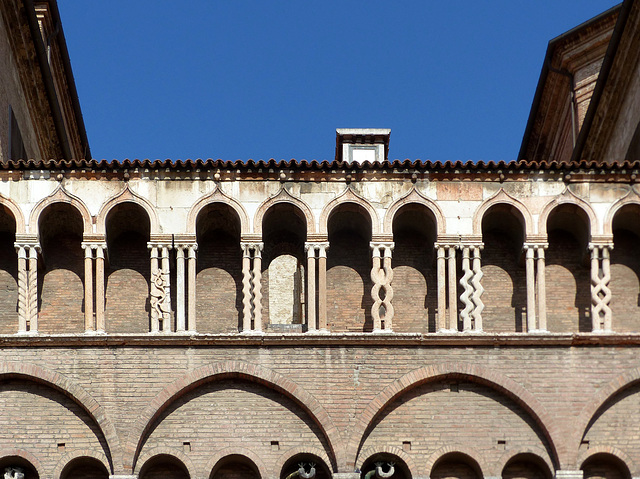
{"x":625,"y":282}
{"x":523,"y":469}
{"x":163,"y":469}
{"x":85,"y":469}
{"x":8,"y":284}
{"x":452,"y":469}
{"x":235,"y":470}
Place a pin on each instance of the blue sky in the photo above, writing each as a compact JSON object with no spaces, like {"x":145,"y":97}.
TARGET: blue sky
{"x":273,"y":79}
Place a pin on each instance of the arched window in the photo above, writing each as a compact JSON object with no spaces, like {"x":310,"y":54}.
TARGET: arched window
{"x":8,"y":273}
{"x":163,"y":466}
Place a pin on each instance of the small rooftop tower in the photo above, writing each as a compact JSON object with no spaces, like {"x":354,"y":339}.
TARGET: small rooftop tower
{"x":357,"y":145}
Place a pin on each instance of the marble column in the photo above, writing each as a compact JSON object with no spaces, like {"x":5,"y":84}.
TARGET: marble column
{"x":100,"y":290}
{"x":312,"y":323}
{"x":441,"y":265}
{"x":89,"y":325}
{"x":23,"y":289}
{"x":600,"y":291}
{"x":381,"y":277}
{"x":191,"y":288}
{"x":322,"y":286}
{"x":530,"y":252}
{"x":33,"y":288}
{"x":180,"y":290}
{"x":542,"y":288}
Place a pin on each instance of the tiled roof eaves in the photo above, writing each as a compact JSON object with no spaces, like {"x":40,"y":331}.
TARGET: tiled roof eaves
{"x":208,"y":164}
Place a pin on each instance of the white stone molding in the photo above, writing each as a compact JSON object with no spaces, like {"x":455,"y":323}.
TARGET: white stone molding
{"x":60,"y":195}
{"x":503,"y":198}
{"x":127,"y":196}
{"x":567,"y":197}
{"x":631,"y":198}
{"x":348,"y":196}
{"x":217,"y":196}
{"x":284,"y":196}
{"x":16,"y":212}
{"x":600,"y":291}
{"x":416,"y":198}
{"x":381,"y":277}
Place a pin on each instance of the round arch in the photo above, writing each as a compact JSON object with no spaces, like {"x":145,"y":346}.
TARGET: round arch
{"x":414,"y":197}
{"x":23,"y":454}
{"x":247,"y":454}
{"x":217,"y":196}
{"x":568,"y":197}
{"x":348,"y":196}
{"x":16,"y":212}
{"x":503,"y":198}
{"x":533,"y":452}
{"x":396,"y":451}
{"x":69,"y":457}
{"x":127,"y":196}
{"x":470,"y":372}
{"x":224,"y":370}
{"x":60,"y":195}
{"x":616,"y":453}
{"x":165,"y":452}
{"x":76,"y":393}
{"x":283,"y":196}
{"x":282,"y":460}
{"x":466,"y":452}
{"x":631,"y":198}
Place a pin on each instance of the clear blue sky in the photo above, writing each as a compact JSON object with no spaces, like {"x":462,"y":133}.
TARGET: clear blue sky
{"x":273,"y":79}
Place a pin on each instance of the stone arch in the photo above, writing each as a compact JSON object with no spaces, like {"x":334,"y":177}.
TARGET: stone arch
{"x":631,"y":198}
{"x":568,"y":197}
{"x":531,"y":451}
{"x":226,"y":452}
{"x":225,"y":370}
{"x":609,"y":451}
{"x":217,"y":196}
{"x":464,"y":451}
{"x":348,"y":196}
{"x":283,"y":196}
{"x":59,"y":195}
{"x":470,"y":372}
{"x":598,"y":400}
{"x":67,"y":458}
{"x":76,"y":393}
{"x":127,"y":196}
{"x":16,"y":212}
{"x":166,"y":451}
{"x":294,"y":451}
{"x":414,"y":196}
{"x":396,"y":451}
{"x":502,"y":197}
{"x":23,"y":454}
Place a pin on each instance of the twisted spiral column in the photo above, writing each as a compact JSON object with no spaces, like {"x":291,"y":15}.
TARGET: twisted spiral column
{"x":33,"y":288}
{"x":465,"y":297}
{"x":476,"y":296}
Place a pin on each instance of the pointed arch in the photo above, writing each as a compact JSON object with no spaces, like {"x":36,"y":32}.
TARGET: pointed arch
{"x":502,"y":197}
{"x":127,"y":196}
{"x":235,"y":451}
{"x":348,"y":196}
{"x":16,"y":212}
{"x":60,"y":195}
{"x":415,"y":197}
{"x":225,"y":370}
{"x":568,"y":197}
{"x":472,"y":372}
{"x":217,"y":196}
{"x":631,"y":198}
{"x":283,"y":196}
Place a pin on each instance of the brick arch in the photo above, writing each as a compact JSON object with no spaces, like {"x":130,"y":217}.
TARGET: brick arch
{"x":235,"y":451}
{"x":127,"y":196}
{"x":469,"y":372}
{"x":217,"y":196}
{"x":26,"y":455}
{"x":611,"y":451}
{"x":60,"y":195}
{"x":414,"y":197}
{"x":568,"y":197}
{"x":76,"y":393}
{"x":631,"y":198}
{"x":283,"y":196}
{"x":294,"y":451}
{"x":225,"y":370}
{"x":166,"y":451}
{"x":598,"y":400}
{"x":348,"y":196}
{"x":70,"y":456}
{"x":468,"y":451}
{"x":503,"y":198}
{"x":16,"y":212}
{"x":396,"y":451}
{"x":512,"y":453}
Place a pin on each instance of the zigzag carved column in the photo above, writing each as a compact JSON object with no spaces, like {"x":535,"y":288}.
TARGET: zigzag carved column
{"x":471,"y":297}
{"x":251,"y":287}
{"x":381,"y":276}
{"x":23,"y":289}
{"x":600,"y":291}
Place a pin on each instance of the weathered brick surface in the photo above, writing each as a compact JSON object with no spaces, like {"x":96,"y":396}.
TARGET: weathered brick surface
{"x":451,"y":469}
{"x":8,"y":284}
{"x":625,"y":282}
{"x":522,"y":469}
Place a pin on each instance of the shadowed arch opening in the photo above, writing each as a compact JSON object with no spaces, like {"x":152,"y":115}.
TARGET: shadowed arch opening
{"x":164,"y":466}
{"x":384,"y":461}
{"x":456,"y":465}
{"x":567,"y":270}
{"x":128,"y":270}
{"x":306,"y":461}
{"x":20,"y":464}
{"x":633,"y":152}
{"x":605,"y":466}
{"x":526,"y":466}
{"x":414,"y":275}
{"x":504,"y":280}
{"x":219,"y":272}
{"x":61,"y":271}
{"x":8,"y":273}
{"x":84,"y":468}
{"x":284,"y":232}
{"x":235,"y":466}
{"x":625,"y":269}
{"x":348,"y":269}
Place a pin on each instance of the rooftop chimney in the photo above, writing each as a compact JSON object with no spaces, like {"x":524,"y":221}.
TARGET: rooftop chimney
{"x":357,"y":145}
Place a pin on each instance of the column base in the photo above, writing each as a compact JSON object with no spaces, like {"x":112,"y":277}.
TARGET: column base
{"x":252,"y":332}
{"x":95,"y":333}
{"x":345,"y":475}
{"x":382,"y":331}
{"x":563,"y":474}
{"x":27,"y":333}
